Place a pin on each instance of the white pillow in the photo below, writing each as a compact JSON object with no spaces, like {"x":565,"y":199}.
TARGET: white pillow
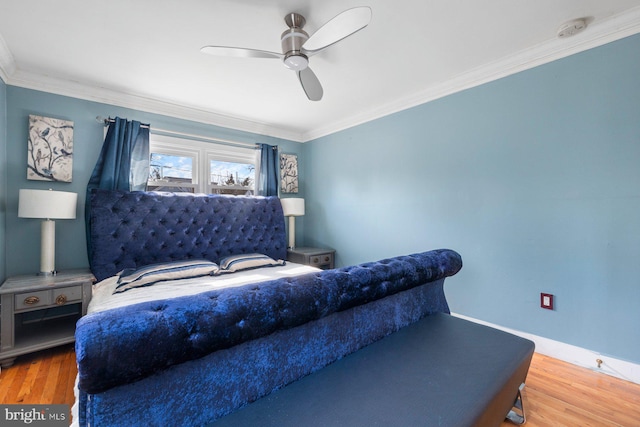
{"x":150,"y":274}
{"x":235,"y":263}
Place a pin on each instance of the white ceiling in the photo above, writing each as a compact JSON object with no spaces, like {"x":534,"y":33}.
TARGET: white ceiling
{"x":145,"y":54}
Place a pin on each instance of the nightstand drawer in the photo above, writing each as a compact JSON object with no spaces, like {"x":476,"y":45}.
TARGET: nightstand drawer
{"x":32,"y":299}
{"x":52,"y":297}
{"x":65,"y":295}
{"x":321,"y":261}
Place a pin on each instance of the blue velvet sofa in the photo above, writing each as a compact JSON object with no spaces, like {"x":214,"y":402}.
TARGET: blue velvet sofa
{"x":190,"y":360}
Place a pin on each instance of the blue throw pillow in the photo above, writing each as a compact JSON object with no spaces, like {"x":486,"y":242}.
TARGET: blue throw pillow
{"x":148,"y":275}
{"x":235,"y":263}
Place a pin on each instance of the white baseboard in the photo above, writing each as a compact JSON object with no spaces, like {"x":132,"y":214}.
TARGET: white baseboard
{"x":575,"y":355}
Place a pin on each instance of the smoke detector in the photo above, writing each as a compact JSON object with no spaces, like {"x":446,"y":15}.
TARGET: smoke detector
{"x":572,"y":28}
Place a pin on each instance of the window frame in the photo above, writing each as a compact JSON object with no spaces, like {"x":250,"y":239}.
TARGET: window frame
{"x":202,"y":154}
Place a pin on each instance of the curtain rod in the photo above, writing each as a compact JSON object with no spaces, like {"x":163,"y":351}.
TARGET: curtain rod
{"x":185,"y":135}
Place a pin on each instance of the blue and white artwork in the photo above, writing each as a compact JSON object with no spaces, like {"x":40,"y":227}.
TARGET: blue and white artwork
{"x":50,"y":152}
{"x":288,"y":173}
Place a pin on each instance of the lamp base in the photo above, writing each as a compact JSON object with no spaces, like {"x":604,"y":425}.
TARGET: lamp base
{"x":48,"y":248}
{"x":48,"y":273}
{"x":292,"y":232}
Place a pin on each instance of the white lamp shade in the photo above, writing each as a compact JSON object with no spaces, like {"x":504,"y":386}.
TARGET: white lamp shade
{"x":292,"y":206}
{"x":47,"y":204}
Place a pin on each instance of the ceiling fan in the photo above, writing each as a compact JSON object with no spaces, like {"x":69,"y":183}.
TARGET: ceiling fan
{"x":298,"y":46}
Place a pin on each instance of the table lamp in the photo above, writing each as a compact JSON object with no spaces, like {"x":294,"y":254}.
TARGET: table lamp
{"x":47,"y":205}
{"x":292,"y":207}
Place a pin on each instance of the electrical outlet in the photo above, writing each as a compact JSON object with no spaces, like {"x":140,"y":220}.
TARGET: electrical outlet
{"x":546,"y":301}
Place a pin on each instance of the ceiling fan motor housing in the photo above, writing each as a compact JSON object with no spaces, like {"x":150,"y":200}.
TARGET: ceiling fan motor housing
{"x":297,"y":46}
{"x":292,"y":41}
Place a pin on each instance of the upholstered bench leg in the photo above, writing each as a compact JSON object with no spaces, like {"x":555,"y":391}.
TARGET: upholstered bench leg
{"x":517,"y":415}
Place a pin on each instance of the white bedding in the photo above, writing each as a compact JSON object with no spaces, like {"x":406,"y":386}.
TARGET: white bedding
{"x":103,"y":298}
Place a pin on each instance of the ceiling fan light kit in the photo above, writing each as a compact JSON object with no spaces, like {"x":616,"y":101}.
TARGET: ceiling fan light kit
{"x":297,"y":61}
{"x":298,"y":46}
{"x":292,"y":41}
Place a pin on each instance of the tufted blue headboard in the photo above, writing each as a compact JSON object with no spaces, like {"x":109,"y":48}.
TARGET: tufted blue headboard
{"x":132,"y":229}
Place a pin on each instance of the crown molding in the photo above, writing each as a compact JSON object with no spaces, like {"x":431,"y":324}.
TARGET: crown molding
{"x":142,"y":103}
{"x":7,"y":63}
{"x":607,"y":31}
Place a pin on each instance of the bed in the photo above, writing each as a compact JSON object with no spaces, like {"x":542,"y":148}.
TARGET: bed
{"x":196,"y":314}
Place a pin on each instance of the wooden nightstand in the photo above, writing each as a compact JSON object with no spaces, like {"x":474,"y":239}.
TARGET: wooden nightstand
{"x":316,"y":257}
{"x":39,"y":312}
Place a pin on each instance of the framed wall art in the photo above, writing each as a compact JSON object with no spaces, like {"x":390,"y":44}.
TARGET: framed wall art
{"x":50,"y":149}
{"x":288,"y":173}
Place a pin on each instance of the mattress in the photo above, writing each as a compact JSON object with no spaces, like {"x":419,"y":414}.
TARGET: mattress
{"x":103,"y":297}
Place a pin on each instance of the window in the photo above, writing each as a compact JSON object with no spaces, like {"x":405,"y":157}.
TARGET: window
{"x":171,"y":171}
{"x":183,"y":165}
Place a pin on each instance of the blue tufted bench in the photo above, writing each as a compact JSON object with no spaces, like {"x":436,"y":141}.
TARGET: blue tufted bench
{"x":439,"y":371}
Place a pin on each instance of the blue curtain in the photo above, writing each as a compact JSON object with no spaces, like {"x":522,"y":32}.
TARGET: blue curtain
{"x":268,"y":179}
{"x":123,"y":163}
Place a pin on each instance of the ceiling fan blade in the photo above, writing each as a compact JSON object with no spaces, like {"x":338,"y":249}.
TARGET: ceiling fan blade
{"x":338,"y":28}
{"x":239,"y":52}
{"x":310,"y":84}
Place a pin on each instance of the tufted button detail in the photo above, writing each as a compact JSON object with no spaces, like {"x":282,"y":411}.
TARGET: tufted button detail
{"x":209,"y":226}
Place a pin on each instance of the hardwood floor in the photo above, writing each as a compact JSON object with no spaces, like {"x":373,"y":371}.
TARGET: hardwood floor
{"x":557,"y":393}
{"x":560,"y":394}
{"x":43,"y":377}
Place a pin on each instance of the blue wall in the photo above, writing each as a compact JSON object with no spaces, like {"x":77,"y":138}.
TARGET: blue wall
{"x":534,"y":179}
{"x":22,"y":236}
{"x":3,"y":174}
